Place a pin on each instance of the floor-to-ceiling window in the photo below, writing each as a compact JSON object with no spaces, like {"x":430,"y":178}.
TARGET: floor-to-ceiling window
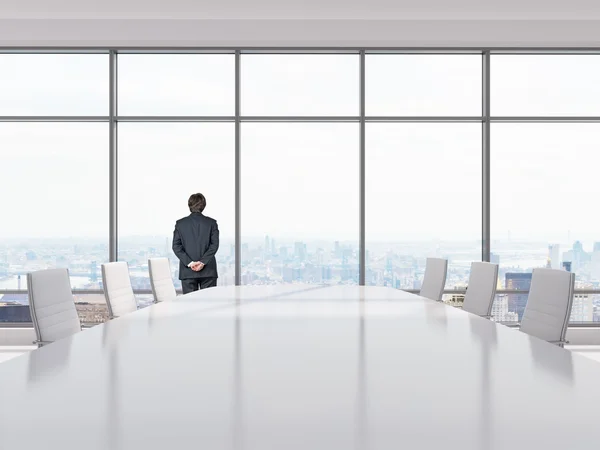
{"x":423,"y":166}
{"x":299,"y":168}
{"x":176,"y":137}
{"x":276,"y":141}
{"x":53,"y":174}
{"x":544,"y":150}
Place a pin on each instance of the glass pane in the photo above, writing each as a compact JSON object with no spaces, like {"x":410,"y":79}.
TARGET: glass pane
{"x":545,"y":85}
{"x":14,"y":308}
{"x":300,"y":203}
{"x":91,"y":308}
{"x":55,"y":196}
{"x":543,"y":178}
{"x":423,"y":199}
{"x":176,"y":85}
{"x":300,"y":85}
{"x":423,"y":85}
{"x":509,"y":307}
{"x":160,"y":166}
{"x":54,"y":85}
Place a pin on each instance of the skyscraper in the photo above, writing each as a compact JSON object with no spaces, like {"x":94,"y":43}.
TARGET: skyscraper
{"x":337,"y":249}
{"x":267,"y":250}
{"x":500,"y":311}
{"x":595,"y":266}
{"x":300,"y":250}
{"x":520,"y":282}
{"x":283,"y":253}
{"x":554,"y":256}
{"x":582,"y":309}
{"x":579,"y":257}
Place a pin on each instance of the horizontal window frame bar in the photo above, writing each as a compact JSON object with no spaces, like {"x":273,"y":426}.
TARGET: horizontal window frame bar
{"x":54,"y":51}
{"x":175,"y":51}
{"x":545,"y":119}
{"x":75,"y":291}
{"x":82,"y":119}
{"x":372,"y":119}
{"x":299,"y":49}
{"x":16,"y":325}
{"x":300,"y":119}
{"x":549,"y":51}
{"x":129,"y":119}
{"x":506,"y":291}
{"x":412,"y":291}
{"x":424,"y":119}
{"x":423,"y":51}
{"x":125,"y":119}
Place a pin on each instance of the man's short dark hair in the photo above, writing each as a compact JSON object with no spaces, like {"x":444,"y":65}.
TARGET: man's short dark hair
{"x":197,"y":203}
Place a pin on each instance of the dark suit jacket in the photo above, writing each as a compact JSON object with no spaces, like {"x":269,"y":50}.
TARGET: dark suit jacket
{"x":196,"y":238}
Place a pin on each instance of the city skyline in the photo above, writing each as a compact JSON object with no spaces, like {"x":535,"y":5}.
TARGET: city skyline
{"x":273,"y":260}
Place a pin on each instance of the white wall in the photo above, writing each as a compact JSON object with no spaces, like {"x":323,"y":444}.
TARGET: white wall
{"x":300,"y":33}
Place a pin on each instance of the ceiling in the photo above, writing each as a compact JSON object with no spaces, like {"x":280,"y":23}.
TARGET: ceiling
{"x":303,"y":9}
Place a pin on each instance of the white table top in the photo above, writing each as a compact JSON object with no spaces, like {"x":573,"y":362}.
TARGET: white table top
{"x":299,"y":367}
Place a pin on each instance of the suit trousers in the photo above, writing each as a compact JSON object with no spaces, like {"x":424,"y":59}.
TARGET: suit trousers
{"x":193,"y":284}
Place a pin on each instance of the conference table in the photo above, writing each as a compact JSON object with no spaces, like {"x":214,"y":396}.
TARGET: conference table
{"x":299,"y":367}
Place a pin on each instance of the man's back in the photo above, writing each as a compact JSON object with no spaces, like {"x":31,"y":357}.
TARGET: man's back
{"x":196,"y":238}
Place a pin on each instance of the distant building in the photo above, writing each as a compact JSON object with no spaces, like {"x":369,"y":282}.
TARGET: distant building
{"x":283,"y":253}
{"x":554,"y":256}
{"x":417,"y":283}
{"x":500,"y":312}
{"x":337,"y":249}
{"x":577,"y":256}
{"x":595,"y":265}
{"x":267,"y":249}
{"x":567,"y":265}
{"x":583,"y":309}
{"x":494,"y":258}
{"x":456,"y":300}
{"x":13,"y":308}
{"x":519,"y":282}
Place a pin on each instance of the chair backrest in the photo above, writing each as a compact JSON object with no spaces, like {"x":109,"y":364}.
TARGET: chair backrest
{"x":52,"y":306}
{"x":434,"y":279}
{"x":163,"y":288}
{"x":548,"y":308}
{"x":481,"y":289}
{"x":117,"y":289}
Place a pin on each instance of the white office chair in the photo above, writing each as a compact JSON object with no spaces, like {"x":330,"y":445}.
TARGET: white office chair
{"x":163,"y":288}
{"x":481,"y":289}
{"x":548,"y":308}
{"x":51,"y":304}
{"x":434,"y":279}
{"x":117,"y":289}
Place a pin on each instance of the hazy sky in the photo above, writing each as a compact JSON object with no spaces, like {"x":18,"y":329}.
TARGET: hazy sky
{"x":301,"y":179}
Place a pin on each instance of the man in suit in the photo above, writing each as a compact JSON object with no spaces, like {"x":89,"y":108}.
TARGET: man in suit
{"x":195,"y":242}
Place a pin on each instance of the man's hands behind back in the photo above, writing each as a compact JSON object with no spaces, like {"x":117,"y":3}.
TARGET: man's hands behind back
{"x":197,"y":266}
